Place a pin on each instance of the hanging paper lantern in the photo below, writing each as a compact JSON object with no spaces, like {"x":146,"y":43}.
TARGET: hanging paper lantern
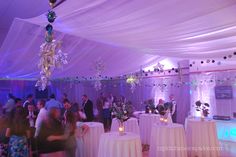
{"x":52,"y":1}
{"x":51,"y":15}
{"x":49,"y":28}
{"x":49,"y":37}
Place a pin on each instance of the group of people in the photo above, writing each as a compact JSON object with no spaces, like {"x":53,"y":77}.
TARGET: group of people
{"x":163,"y":108}
{"x":47,"y":128}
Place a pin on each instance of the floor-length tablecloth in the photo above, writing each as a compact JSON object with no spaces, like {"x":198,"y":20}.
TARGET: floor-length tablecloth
{"x":202,"y":138}
{"x":131,"y":125}
{"x":91,"y":139}
{"x":114,"y":145}
{"x":145,"y":123}
{"x":168,"y":141}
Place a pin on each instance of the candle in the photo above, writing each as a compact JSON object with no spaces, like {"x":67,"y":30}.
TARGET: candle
{"x":150,"y":111}
{"x":121,"y":129}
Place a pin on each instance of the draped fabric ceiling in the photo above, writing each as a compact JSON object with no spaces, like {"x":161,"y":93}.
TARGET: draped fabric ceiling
{"x":125,"y":34}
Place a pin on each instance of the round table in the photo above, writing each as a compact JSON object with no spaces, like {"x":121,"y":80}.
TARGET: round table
{"x":168,"y":141}
{"x":138,"y":113}
{"x":145,"y":123}
{"x":91,"y":139}
{"x":113,"y":145}
{"x":131,"y":125}
{"x":201,"y":138}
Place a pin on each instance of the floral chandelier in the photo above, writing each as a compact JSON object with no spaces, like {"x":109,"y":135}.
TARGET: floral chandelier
{"x":134,"y":81}
{"x":51,"y":55}
{"x":99,"y":68}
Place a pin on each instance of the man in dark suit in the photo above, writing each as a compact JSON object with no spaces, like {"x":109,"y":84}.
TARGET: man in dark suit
{"x":88,"y":108}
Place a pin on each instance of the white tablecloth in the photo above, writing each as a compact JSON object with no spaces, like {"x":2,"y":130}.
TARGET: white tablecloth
{"x":131,"y":125}
{"x":145,"y":123}
{"x":91,"y":139}
{"x":168,"y":141}
{"x":138,"y":113}
{"x":201,"y":137}
{"x":114,"y":145}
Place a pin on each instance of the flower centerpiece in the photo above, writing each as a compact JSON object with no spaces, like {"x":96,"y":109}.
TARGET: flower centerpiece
{"x":203,"y":108}
{"x":122,"y":114}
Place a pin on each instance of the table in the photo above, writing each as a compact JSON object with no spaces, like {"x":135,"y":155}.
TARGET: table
{"x":145,"y":123}
{"x":91,"y":139}
{"x":131,"y":125}
{"x":168,"y":141}
{"x":113,"y":145}
{"x":138,"y":113}
{"x":201,"y":138}
{"x":226,"y":130}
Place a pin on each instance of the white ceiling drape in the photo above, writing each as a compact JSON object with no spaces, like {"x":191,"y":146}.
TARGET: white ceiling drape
{"x":125,"y":34}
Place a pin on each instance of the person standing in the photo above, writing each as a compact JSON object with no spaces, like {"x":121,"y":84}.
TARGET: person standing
{"x":160,"y":107}
{"x":70,"y":125}
{"x":10,"y":105}
{"x":18,"y":132}
{"x":100,"y":102}
{"x":53,"y":103}
{"x":51,"y":137}
{"x":41,"y":116}
{"x":173,"y":108}
{"x":29,"y":101}
{"x":106,"y":114}
{"x":88,"y":108}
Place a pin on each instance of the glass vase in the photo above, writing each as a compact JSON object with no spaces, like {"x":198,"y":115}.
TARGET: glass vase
{"x":121,"y":128}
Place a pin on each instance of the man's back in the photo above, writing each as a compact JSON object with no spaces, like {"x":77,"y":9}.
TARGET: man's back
{"x":52,"y":103}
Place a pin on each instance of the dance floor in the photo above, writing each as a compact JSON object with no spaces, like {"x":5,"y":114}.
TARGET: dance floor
{"x":228,"y":149}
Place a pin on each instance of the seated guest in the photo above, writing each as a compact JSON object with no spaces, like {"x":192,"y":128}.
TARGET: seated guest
{"x":41,"y":116}
{"x":160,"y":107}
{"x":51,"y":135}
{"x":88,"y":108}
{"x":53,"y":103}
{"x":18,"y":132}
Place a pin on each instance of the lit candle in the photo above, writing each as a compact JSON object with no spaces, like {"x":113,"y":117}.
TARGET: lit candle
{"x":150,"y":111}
{"x":121,"y":129}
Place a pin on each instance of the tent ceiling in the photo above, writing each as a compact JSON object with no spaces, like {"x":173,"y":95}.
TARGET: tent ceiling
{"x":125,"y":34}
